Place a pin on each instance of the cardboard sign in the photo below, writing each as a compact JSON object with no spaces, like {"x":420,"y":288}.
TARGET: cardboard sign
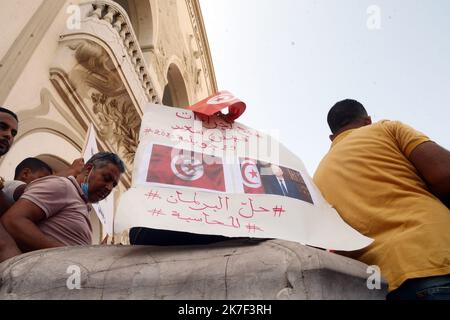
{"x":223,"y":178}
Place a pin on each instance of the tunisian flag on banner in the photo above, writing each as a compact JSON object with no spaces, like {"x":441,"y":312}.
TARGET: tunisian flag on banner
{"x":185,"y":168}
{"x":251,"y":177}
{"x":217,"y":102}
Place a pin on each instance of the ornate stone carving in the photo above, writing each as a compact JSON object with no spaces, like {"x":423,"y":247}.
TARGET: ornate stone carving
{"x":88,"y":76}
{"x":114,"y":15}
{"x":98,"y":82}
{"x":94,"y":70}
{"x":202,"y":43}
{"x":190,"y":60}
{"x":118,"y":125}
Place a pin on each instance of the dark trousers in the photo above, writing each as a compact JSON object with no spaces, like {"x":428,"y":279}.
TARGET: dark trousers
{"x":430,"y":288}
{"x":155,"y":237}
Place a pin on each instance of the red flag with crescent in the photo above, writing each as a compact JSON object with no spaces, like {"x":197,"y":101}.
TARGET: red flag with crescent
{"x":251,"y":177}
{"x":185,"y":168}
{"x":218,"y":102}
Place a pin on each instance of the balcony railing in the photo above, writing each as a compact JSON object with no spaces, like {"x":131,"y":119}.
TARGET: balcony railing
{"x":114,"y":15}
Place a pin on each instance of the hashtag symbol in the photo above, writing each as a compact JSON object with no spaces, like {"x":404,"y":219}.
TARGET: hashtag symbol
{"x":277,"y":211}
{"x":155,"y":212}
{"x":253,"y":228}
{"x":153,"y":195}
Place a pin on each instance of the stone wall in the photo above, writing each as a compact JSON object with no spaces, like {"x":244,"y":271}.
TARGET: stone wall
{"x":237,"y":269}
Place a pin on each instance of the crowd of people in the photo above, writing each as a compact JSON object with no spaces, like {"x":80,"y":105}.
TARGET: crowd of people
{"x":387,"y":180}
{"x":43,"y":209}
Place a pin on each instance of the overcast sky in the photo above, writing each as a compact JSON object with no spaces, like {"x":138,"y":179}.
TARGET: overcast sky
{"x":291,"y":60}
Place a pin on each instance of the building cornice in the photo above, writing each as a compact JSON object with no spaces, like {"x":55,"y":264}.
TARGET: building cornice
{"x":198,"y":25}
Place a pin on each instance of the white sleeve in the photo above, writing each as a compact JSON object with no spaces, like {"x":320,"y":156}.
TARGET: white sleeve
{"x":9,"y":189}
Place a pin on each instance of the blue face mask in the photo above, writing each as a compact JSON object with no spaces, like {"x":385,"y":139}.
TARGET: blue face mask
{"x":85,"y":188}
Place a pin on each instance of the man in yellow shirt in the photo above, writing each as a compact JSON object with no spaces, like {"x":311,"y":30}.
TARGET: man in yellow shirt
{"x":390,"y":182}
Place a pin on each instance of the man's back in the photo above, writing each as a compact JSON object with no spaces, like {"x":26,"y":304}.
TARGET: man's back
{"x":66,"y":212}
{"x":368,"y":178}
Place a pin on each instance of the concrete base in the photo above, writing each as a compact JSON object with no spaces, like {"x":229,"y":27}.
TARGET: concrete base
{"x":237,"y":269}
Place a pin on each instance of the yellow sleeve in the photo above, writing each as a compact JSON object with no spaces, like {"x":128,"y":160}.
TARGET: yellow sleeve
{"x":407,"y":138}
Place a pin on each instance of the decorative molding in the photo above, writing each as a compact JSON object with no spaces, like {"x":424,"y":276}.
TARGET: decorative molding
{"x":94,"y":69}
{"x":15,"y":60}
{"x":91,"y":86}
{"x":201,"y":37}
{"x":114,"y":15}
{"x":190,"y":61}
{"x":31,"y":119}
{"x":117,"y":125}
{"x":84,"y":114}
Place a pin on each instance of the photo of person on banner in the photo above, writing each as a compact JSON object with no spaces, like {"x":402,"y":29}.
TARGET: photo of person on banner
{"x":260,"y":177}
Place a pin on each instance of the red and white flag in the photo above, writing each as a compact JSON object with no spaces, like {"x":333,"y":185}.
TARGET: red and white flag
{"x":178,"y":167}
{"x":251,"y":177}
{"x":218,"y":102}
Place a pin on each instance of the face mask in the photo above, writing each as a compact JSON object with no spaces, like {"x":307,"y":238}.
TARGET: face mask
{"x":85,"y":186}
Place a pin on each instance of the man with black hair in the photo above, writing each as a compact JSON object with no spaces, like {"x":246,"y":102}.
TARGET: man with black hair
{"x":345,"y":115}
{"x":9,"y":124}
{"x":26,"y":172}
{"x":390,"y":182}
{"x":54,"y":211}
{"x":8,"y":129}
{"x":31,"y":169}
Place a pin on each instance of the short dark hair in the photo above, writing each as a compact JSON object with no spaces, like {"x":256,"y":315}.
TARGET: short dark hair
{"x":344,"y":113}
{"x":34,"y":164}
{"x":102,"y":159}
{"x":4,"y":110}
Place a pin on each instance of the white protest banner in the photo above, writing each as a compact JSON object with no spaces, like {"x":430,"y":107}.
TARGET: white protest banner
{"x":225,"y":179}
{"x":105,"y":208}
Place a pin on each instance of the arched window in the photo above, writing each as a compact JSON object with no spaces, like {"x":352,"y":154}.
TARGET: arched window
{"x":175,"y":93}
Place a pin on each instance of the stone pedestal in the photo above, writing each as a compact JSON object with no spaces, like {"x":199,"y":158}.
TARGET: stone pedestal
{"x":238,"y":269}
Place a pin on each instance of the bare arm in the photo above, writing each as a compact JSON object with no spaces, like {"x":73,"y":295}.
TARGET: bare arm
{"x":21,"y":223}
{"x":3,"y":203}
{"x":8,"y":248}
{"x":433,"y":163}
{"x":4,"y":206}
{"x":19,"y":191}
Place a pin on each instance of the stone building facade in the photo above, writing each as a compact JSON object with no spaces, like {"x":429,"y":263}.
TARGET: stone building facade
{"x":66,"y":64}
